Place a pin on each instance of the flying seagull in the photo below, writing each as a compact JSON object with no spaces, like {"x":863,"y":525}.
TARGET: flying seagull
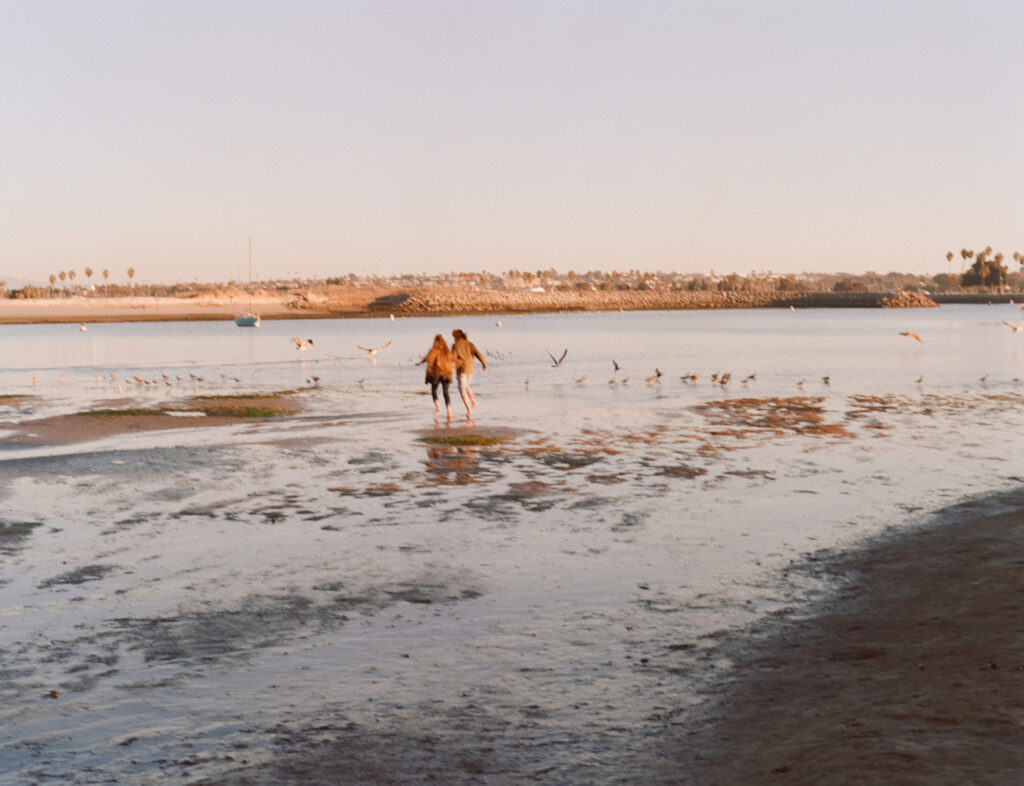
{"x":1015,"y":328}
{"x":556,"y":363}
{"x":300,"y":344}
{"x":371,"y":351}
{"x":914,"y":336}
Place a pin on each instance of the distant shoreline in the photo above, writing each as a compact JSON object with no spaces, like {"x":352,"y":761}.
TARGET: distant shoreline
{"x":351,"y":302}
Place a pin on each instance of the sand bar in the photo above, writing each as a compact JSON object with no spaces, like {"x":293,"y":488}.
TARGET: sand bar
{"x":118,"y":420}
{"x":341,"y":302}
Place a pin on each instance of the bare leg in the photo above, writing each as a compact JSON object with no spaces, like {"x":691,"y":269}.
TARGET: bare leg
{"x":447,"y":399}
{"x":463,"y":391}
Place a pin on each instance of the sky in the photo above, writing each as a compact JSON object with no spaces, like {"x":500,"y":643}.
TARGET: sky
{"x":428,"y":136}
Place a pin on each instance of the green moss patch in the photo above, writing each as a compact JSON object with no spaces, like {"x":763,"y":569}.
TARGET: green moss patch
{"x":247,"y":412}
{"x":464,"y":439}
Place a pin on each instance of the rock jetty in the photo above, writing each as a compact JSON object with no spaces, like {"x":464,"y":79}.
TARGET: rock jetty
{"x":443,"y":302}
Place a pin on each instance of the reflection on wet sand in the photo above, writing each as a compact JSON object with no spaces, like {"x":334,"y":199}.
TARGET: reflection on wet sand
{"x":456,"y":465}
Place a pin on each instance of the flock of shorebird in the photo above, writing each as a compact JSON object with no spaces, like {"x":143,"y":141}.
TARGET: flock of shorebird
{"x":722,"y":379}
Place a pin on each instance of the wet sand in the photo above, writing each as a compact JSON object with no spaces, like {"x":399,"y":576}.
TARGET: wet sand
{"x":913,"y":674}
{"x":839,"y":696}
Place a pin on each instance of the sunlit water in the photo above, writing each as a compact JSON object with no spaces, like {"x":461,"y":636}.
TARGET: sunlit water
{"x":329,"y":597}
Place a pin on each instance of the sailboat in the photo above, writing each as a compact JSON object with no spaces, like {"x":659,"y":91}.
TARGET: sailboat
{"x":249,"y":318}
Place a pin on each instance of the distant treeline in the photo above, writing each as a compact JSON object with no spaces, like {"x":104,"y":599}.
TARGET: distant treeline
{"x":987,"y":274}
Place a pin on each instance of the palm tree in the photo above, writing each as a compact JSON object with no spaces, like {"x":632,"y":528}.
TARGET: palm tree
{"x":131,"y":275}
{"x":63,"y":277}
{"x":53,"y":280}
{"x":965,"y":255}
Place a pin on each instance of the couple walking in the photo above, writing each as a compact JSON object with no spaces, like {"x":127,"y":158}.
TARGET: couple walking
{"x":442,"y":361}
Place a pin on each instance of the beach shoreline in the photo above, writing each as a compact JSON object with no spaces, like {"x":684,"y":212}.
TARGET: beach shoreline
{"x":335,"y":302}
{"x":912,"y":672}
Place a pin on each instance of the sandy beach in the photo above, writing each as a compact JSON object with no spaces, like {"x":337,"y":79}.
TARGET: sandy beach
{"x":913,"y":674}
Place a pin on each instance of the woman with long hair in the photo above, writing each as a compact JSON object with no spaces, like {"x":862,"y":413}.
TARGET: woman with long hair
{"x":464,"y":351}
{"x":440,"y":365}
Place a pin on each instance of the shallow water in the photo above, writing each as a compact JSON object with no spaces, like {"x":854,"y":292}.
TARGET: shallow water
{"x":329,"y":597}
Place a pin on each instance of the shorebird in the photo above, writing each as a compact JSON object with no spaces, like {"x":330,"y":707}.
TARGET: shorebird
{"x":615,"y":367}
{"x":1015,"y":328}
{"x":984,"y":379}
{"x":556,"y":363}
{"x":919,"y":380}
{"x":914,"y":336}
{"x":371,"y":351}
{"x":749,"y":378}
{"x":82,"y":327}
{"x":581,"y":380}
{"x":301,"y":345}
{"x":498,"y":323}
{"x":826,"y":380}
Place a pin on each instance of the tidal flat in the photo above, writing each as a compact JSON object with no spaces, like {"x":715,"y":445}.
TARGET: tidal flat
{"x":558,"y":590}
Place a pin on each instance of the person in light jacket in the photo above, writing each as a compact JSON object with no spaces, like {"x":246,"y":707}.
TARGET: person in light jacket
{"x":465,"y":351}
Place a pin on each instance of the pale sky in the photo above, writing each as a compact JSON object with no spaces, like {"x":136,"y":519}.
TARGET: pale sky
{"x":430,"y":136}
